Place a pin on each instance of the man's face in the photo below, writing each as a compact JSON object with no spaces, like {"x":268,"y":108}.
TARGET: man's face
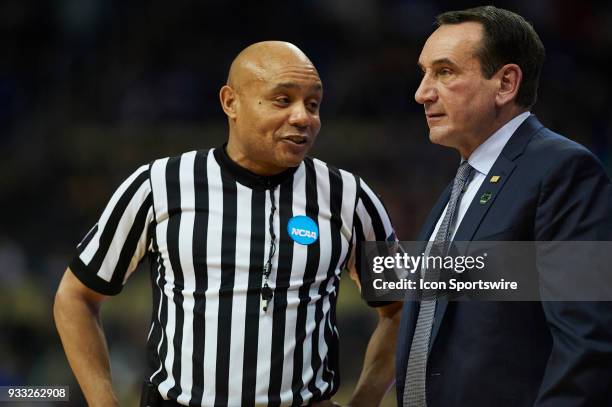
{"x":277,"y":116}
{"x":459,"y":101}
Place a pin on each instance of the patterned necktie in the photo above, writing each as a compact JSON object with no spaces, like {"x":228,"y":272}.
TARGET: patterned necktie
{"x":414,"y":385}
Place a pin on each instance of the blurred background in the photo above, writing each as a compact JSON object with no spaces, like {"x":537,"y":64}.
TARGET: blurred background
{"x":91,"y":89}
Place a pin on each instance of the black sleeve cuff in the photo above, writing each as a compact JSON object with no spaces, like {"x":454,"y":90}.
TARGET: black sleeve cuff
{"x":91,"y":279}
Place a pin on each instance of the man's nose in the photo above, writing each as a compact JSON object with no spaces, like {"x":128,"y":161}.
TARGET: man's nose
{"x":426,"y":92}
{"x":299,"y":115}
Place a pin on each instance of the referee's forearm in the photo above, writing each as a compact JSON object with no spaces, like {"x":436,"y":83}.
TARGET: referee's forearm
{"x":80,"y":329}
{"x":378,"y":373}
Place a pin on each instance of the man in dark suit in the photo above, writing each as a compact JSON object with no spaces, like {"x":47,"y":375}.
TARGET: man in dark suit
{"x":518,"y":181}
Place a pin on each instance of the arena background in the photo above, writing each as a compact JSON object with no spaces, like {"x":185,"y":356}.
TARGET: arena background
{"x":91,"y":89}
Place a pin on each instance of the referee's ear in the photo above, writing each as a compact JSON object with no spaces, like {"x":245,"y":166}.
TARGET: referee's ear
{"x":227,"y":96}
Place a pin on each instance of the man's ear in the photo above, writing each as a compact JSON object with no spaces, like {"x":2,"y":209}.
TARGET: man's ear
{"x":510,"y":78}
{"x":227,"y":96}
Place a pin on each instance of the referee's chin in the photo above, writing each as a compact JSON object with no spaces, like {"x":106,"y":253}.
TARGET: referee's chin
{"x":292,"y":163}
{"x":291,"y":160}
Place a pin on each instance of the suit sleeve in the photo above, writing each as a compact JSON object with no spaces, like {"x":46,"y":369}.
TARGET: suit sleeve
{"x":113,"y":248}
{"x":575,"y":204}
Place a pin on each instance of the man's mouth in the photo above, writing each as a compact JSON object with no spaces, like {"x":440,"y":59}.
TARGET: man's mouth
{"x":296,"y":139}
{"x":434,"y":115}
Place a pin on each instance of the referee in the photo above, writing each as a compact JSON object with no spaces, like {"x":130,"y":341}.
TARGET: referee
{"x":247,"y":243}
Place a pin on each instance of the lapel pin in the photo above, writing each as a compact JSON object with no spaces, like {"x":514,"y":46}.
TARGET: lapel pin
{"x":484,"y":198}
{"x":494,"y":179}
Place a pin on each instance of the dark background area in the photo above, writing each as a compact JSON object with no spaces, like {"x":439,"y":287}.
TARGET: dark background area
{"x":91,"y":89}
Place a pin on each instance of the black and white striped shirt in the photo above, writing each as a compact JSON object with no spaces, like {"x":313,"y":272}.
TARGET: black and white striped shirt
{"x":204,"y":221}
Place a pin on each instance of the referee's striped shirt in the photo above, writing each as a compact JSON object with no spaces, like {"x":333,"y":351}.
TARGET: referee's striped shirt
{"x":204,"y":222}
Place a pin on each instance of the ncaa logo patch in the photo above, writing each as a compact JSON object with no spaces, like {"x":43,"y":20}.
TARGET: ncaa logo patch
{"x":303,"y":230}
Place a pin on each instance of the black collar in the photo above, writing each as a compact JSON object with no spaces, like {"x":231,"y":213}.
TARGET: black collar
{"x":247,"y":177}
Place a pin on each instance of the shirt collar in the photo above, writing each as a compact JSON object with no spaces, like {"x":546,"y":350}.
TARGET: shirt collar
{"x":485,"y":155}
{"x":247,"y":177}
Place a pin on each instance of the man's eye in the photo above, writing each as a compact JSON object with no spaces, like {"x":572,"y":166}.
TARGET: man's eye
{"x":283,"y":100}
{"x":313,"y":106}
{"x":444,"y":72}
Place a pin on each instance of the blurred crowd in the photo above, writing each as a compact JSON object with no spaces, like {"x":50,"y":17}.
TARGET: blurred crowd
{"x":91,"y":89}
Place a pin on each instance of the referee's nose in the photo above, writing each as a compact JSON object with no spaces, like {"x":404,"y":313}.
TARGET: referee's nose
{"x":299,"y":116}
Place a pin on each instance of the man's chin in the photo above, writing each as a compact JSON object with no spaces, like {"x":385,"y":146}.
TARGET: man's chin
{"x":292,"y":163}
{"x":437,"y":137}
{"x":288,"y":159}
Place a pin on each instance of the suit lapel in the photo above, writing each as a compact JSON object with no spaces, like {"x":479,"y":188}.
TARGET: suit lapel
{"x":485,"y":197}
{"x":488,"y":191}
{"x":476,"y":211}
{"x":434,"y":215}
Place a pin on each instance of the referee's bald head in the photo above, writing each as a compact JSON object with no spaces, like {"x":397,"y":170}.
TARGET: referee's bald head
{"x":261,"y":60}
{"x":272,"y":100}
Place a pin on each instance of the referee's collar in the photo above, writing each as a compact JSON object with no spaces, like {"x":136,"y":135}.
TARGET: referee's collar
{"x":247,"y":177}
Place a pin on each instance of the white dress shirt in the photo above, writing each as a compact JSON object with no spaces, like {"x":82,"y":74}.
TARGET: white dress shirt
{"x":482,"y":159}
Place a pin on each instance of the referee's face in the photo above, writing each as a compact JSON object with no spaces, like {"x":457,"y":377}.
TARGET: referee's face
{"x":275,"y":118}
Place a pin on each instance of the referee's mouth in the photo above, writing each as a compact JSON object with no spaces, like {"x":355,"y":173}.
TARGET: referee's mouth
{"x":296,"y":139}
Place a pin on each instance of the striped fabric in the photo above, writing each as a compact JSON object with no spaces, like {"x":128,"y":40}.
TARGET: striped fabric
{"x":204,"y":223}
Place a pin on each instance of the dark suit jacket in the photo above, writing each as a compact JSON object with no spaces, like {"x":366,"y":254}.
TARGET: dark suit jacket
{"x":517,"y":354}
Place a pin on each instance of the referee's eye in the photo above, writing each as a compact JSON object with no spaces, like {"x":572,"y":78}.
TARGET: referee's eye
{"x":313,"y":107}
{"x":282,"y":101}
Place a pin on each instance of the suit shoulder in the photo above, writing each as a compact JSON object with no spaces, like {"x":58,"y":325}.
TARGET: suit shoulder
{"x":558,"y":150}
{"x":556,"y":154}
{"x":551,"y":143}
